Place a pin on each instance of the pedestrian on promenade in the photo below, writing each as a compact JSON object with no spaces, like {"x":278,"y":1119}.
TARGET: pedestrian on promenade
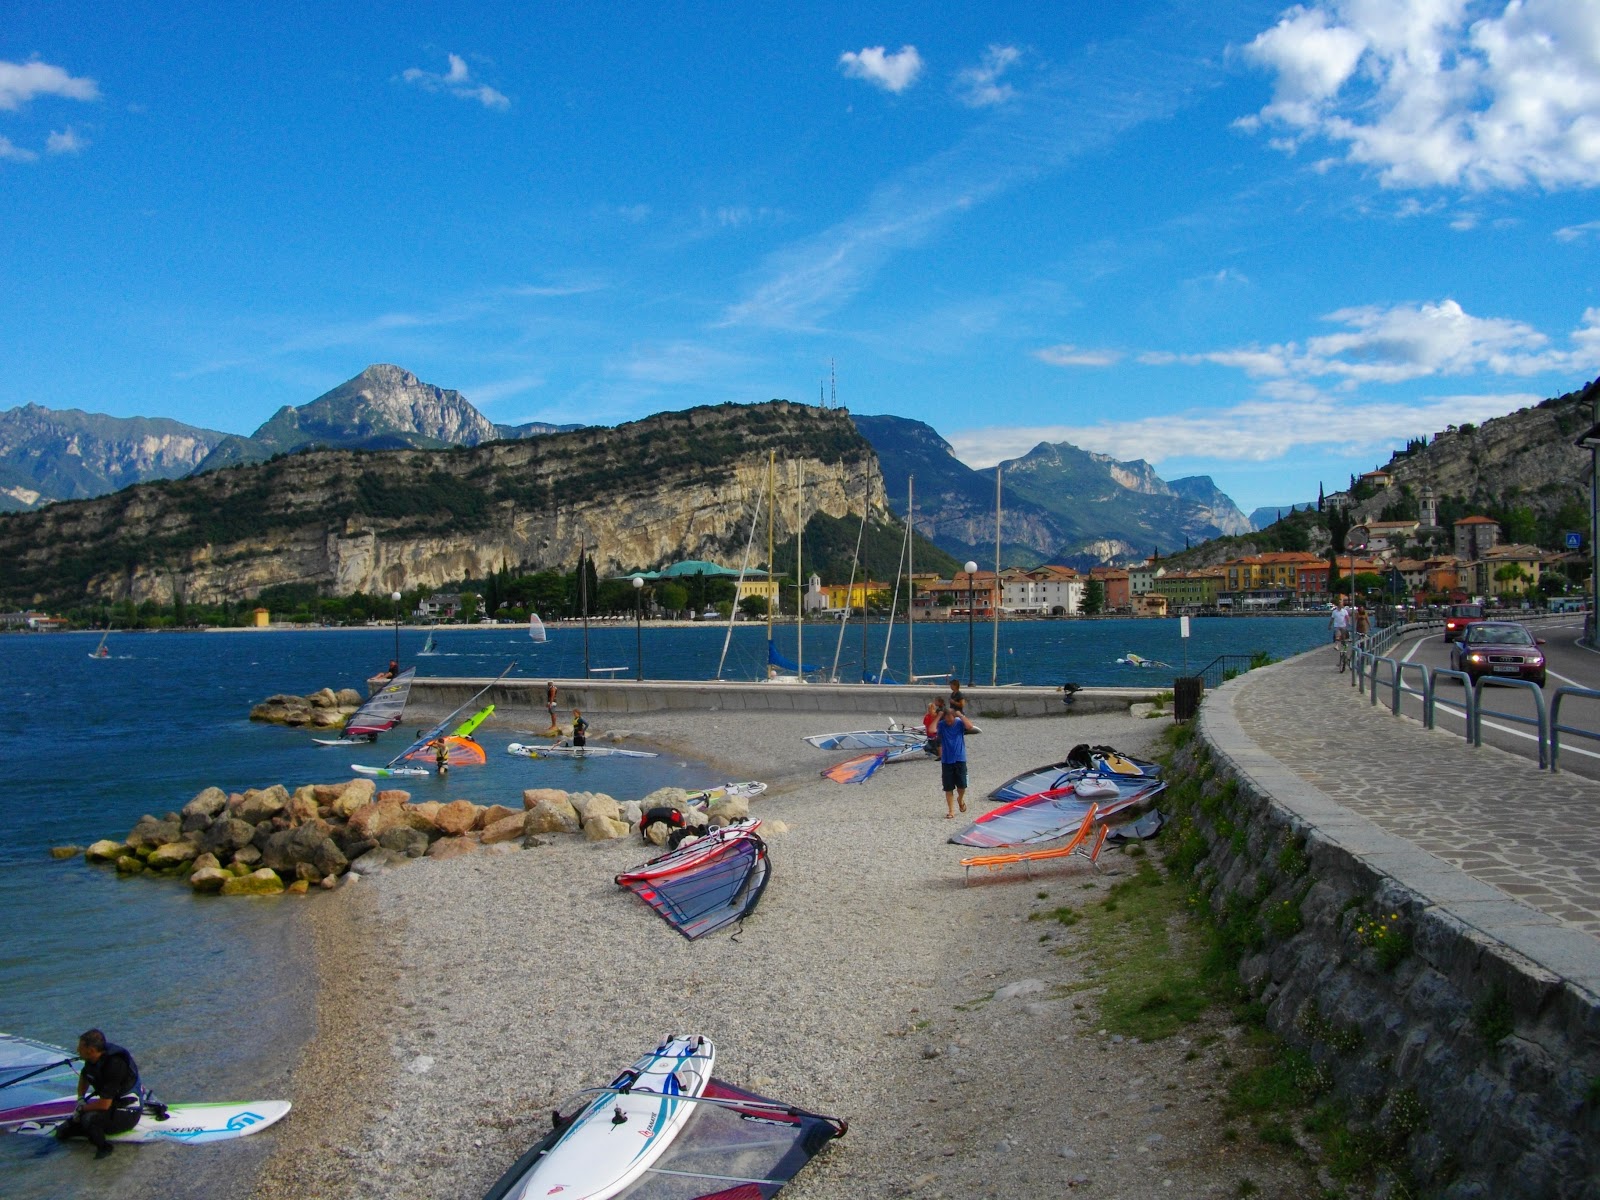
{"x":1339,"y":622}
{"x":1362,"y":622}
{"x":953,"y":730}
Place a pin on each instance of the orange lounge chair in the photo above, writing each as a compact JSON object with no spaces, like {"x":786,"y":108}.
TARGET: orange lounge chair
{"x":1077,"y":843}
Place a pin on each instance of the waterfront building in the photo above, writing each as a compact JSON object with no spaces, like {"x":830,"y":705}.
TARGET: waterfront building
{"x":1475,"y":536}
{"x":1047,"y":590}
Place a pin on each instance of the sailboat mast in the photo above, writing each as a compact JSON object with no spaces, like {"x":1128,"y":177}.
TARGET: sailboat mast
{"x":583,"y":603}
{"x":799,"y":574}
{"x":911,"y":585}
{"x":999,"y":588}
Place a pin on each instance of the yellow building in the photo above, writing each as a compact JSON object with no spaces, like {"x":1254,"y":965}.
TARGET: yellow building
{"x":261,"y":618}
{"x":844,"y":595}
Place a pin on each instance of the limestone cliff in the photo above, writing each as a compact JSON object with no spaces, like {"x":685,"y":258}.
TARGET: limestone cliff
{"x":676,"y":485}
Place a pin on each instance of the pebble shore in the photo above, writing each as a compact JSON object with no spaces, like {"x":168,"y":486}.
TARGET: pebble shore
{"x":460,"y":1001}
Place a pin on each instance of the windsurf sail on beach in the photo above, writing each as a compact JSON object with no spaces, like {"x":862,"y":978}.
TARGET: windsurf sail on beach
{"x":383,"y":709}
{"x":1051,"y":814}
{"x":723,"y":887}
{"x":428,"y":736}
{"x":36,"y":1078}
{"x":866,"y":739}
{"x":536,"y":628}
{"x":858,"y":769}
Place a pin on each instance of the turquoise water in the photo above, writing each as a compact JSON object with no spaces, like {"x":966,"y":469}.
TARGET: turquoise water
{"x":214,"y":996}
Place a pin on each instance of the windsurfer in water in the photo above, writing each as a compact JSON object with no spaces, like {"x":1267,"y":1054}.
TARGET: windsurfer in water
{"x":110,"y":1099}
{"x":441,"y":756}
{"x":580,"y":729}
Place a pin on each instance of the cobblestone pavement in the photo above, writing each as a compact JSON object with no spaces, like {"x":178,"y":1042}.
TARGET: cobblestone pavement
{"x":1494,"y":815}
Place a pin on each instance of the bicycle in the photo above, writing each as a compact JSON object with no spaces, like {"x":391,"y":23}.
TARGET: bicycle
{"x":1344,"y":654}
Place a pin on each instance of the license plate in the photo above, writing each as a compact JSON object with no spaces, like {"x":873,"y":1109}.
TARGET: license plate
{"x":1506,"y":669}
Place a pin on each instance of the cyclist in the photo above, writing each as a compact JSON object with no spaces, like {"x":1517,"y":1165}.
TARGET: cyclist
{"x":1339,"y":621}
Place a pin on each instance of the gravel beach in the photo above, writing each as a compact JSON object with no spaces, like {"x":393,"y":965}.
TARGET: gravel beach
{"x":461,"y":1000}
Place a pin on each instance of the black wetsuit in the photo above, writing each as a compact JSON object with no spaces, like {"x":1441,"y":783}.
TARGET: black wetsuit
{"x":114,"y":1076}
{"x":580,"y":732}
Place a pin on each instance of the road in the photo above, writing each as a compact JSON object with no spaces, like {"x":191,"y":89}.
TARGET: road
{"x":1568,"y":665}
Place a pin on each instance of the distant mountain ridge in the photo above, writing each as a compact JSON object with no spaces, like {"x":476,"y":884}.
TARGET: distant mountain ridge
{"x":1059,"y":503}
{"x":68,"y":454}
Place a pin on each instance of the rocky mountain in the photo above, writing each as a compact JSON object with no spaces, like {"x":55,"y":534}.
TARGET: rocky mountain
{"x":1059,"y":503}
{"x":63,"y":454}
{"x":383,"y":408}
{"x":677,"y":485}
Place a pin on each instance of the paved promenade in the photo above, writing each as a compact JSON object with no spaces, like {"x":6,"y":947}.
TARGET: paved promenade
{"x":1533,"y":837}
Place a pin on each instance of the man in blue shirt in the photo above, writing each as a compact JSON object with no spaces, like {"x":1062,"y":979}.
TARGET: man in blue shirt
{"x":953,"y":730}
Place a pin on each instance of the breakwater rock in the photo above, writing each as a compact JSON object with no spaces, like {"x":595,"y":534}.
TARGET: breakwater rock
{"x":324,"y":709}
{"x":267,"y":841}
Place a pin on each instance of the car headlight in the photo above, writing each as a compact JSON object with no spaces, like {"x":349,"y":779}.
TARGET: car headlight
{"x":1536,"y":661}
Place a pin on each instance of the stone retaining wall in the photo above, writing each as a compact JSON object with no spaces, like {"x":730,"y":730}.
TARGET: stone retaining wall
{"x":1461,"y":1029}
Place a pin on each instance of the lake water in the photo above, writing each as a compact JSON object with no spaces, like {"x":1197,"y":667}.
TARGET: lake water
{"x":215,"y":996}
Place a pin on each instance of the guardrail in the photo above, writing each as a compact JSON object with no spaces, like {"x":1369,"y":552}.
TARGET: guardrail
{"x":1215,"y":672}
{"x":1469,"y":699}
{"x":1542,"y":721}
{"x":1557,"y":728}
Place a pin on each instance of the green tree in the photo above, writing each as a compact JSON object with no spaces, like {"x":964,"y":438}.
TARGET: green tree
{"x":1094,"y":598}
{"x":754,"y":607}
{"x":674,"y":597}
{"x":469,"y":607}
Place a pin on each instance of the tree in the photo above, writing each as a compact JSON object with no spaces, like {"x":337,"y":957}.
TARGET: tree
{"x":674,"y":597}
{"x":753,"y":607}
{"x":469,"y":607}
{"x":1094,"y":598}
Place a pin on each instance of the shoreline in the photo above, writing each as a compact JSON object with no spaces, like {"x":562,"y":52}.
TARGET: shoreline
{"x":459,"y":1001}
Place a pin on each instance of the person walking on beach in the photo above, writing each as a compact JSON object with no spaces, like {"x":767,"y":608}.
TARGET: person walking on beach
{"x":955,"y":690}
{"x":550,"y":703}
{"x":110,"y":1099}
{"x":580,"y":729}
{"x":953,"y":730}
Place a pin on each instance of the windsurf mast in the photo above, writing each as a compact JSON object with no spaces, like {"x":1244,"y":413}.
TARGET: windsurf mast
{"x":894,"y":603}
{"x":799,"y":573}
{"x":850,"y":592}
{"x":429,"y":734}
{"x":911,"y":583}
{"x":744,"y":563}
{"x":999,"y":587}
{"x":772,"y":574}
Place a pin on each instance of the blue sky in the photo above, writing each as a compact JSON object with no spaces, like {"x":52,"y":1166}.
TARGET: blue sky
{"x":1262,"y":243}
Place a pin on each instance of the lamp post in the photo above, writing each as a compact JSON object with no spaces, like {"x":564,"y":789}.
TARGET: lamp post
{"x":395,"y":597}
{"x":638,"y":626}
{"x":971,"y":567}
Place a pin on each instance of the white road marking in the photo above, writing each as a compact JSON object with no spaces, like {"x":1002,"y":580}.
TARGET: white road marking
{"x":1532,"y":737}
{"x":1564,"y":679}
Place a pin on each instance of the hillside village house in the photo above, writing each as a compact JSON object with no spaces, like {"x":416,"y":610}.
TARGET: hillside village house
{"x":1529,"y":560}
{"x":1266,"y":580}
{"x":1475,"y":536}
{"x":948,"y":597}
{"x":1115,"y":581}
{"x":1377,"y":536}
{"x":1312,"y":578}
{"x":1191,"y":590}
{"x":1142,"y":577}
{"x":1151,"y":604}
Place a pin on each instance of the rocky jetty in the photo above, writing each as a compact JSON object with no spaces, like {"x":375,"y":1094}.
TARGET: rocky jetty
{"x":268,"y":841}
{"x":325,"y":709}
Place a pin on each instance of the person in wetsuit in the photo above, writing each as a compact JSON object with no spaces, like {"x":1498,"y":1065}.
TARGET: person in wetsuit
{"x":441,"y":756}
{"x":580,"y":729}
{"x":110,"y":1099}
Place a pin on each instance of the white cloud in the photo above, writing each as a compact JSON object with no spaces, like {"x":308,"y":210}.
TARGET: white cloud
{"x":21,"y":82}
{"x":1256,"y":431}
{"x":9,"y":151}
{"x":980,"y":86}
{"x":67,"y":141}
{"x":457,"y":81}
{"x":892,"y":72}
{"x":1442,"y":92}
{"x":1072,"y":356}
{"x":678,"y":362}
{"x":1576,"y":233}
{"x":1405,"y":342}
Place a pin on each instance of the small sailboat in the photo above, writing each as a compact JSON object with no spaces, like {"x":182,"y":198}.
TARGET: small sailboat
{"x":100,"y":651}
{"x":536,"y":628}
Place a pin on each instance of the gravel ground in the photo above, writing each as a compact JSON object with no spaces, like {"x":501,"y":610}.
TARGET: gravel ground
{"x":461,"y":1001}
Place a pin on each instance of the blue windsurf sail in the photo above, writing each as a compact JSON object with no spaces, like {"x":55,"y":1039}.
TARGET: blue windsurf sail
{"x":779,"y":659}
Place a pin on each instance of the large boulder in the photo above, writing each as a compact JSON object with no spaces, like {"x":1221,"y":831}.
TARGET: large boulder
{"x":323,"y":698}
{"x":129,"y":864}
{"x":551,"y":814}
{"x":151,"y":832}
{"x":456,"y":818}
{"x":327,"y":718}
{"x":413,"y":843}
{"x":506,"y":829}
{"x":668,"y":797}
{"x":262,"y":804}
{"x":356,"y":794}
{"x":496,"y":812}
{"x":370,"y":820}
{"x":105,"y":850}
{"x":604,"y":829}
{"x":264,"y":882}
{"x":245,"y":859}
{"x":532,"y":796}
{"x":725,"y":810}
{"x":375,"y":860}
{"x":630,"y":812}
{"x":303,"y":805}
{"x":452,"y":847}
{"x":348,"y":698}
{"x":224,"y":835}
{"x":397,"y":794}
{"x":594,"y":805}
{"x":209,"y":879}
{"x":310,"y":843}
{"x":422,"y":816}
{"x":204,"y":860}
{"x":173,"y":854}
{"x":205,"y":805}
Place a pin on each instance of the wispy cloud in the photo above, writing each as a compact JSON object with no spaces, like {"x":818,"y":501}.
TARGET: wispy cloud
{"x":980,"y":86}
{"x":21,"y":82}
{"x":1577,"y":233}
{"x":892,"y":72}
{"x":483,"y":395}
{"x":1062,"y":114}
{"x":677,"y":362}
{"x":1432,"y":93}
{"x":1256,"y":431}
{"x":66,"y":141}
{"x":1073,"y":356}
{"x":457,"y":81}
{"x":10,"y":151}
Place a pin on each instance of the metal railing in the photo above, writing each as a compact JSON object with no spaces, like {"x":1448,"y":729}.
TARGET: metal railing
{"x":1216,"y":672}
{"x":1469,"y":699}
{"x":1542,"y":721}
{"x":1557,"y":728}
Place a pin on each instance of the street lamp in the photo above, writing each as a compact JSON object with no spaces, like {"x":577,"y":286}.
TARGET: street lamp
{"x":395,"y":597}
{"x":971,"y":567}
{"x":638,"y":627}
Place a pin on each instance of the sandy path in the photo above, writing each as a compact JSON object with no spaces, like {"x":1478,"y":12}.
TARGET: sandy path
{"x":462,"y":1000}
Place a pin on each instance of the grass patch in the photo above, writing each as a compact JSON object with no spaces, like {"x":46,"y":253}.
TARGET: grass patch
{"x":1493,"y":1018}
{"x":1152,"y":964}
